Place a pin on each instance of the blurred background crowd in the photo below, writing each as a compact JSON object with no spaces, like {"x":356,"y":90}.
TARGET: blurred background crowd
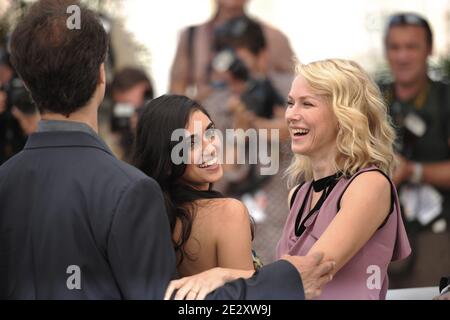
{"x":237,"y":58}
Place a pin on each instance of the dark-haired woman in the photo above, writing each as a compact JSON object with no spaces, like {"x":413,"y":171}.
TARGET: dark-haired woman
{"x":208,"y":230}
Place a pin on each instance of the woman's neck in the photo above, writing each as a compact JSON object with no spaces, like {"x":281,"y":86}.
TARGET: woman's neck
{"x":323,"y":166}
{"x":199,"y":186}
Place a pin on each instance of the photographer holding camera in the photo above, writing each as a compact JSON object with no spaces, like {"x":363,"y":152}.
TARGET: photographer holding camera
{"x":25,"y":111}
{"x":420,"y":108}
{"x":12,"y":137}
{"x":240,"y":66}
{"x":190,"y":73}
{"x":241,"y":63}
{"x":130,"y":89}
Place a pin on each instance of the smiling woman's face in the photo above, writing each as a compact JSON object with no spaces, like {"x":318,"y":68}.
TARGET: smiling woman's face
{"x":313,"y":127}
{"x":204,"y":167}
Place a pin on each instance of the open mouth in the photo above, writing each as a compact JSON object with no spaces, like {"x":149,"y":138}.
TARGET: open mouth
{"x":297,"y":132}
{"x":208,"y":164}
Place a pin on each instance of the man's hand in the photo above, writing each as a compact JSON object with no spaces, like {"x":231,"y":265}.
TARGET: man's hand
{"x":235,"y":105}
{"x":242,"y":118}
{"x":198,"y":286}
{"x":403,"y":171}
{"x":445,"y":296}
{"x":313,"y":271}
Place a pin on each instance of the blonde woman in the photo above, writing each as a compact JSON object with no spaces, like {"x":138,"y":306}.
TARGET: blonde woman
{"x":347,"y":205}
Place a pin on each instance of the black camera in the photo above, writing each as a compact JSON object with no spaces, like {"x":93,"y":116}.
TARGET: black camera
{"x":259,"y":95}
{"x":236,"y":33}
{"x":227,"y":61}
{"x":122,"y":112}
{"x":21,"y":99}
{"x":126,"y":82}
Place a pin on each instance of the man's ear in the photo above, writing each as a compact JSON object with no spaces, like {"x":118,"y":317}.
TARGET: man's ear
{"x":430,"y":50}
{"x":101,"y":74}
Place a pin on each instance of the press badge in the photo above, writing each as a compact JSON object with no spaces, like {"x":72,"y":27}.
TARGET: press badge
{"x":421,"y":202}
{"x":415,"y":124}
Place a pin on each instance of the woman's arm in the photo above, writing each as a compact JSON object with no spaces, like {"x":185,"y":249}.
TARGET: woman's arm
{"x":231,"y":226}
{"x":364,"y":206}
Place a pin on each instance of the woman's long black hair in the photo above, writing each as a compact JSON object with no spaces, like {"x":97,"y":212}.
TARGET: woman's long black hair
{"x":152,"y":155}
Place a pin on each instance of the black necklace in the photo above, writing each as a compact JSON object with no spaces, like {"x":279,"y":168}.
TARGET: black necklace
{"x":323,"y":183}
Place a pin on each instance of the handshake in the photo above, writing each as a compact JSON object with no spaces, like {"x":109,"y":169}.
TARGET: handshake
{"x":314,"y":272}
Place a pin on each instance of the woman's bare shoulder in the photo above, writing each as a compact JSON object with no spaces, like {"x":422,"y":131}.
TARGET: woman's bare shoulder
{"x":371,"y":188}
{"x":222,"y":209}
{"x":373,"y":180}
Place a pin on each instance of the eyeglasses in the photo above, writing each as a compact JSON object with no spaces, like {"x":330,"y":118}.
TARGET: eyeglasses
{"x":407,"y":19}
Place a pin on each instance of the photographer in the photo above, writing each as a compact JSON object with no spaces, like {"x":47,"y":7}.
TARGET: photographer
{"x":25,"y":111}
{"x":419,"y":107}
{"x":130,"y":89}
{"x":12,"y":139}
{"x":240,"y":66}
{"x":241,"y":63}
{"x":190,"y":73}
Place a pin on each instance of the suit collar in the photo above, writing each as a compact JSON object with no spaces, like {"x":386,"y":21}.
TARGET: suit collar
{"x":59,"y":139}
{"x":64,"y":125}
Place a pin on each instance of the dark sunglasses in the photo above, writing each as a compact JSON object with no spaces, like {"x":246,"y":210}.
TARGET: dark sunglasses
{"x":407,"y":19}
{"x":410,"y":19}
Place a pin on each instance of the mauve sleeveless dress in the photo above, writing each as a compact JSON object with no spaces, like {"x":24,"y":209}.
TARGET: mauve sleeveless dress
{"x":355,"y":280}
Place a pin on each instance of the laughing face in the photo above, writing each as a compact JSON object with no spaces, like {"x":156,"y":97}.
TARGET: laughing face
{"x":204,"y":167}
{"x":312,"y":124}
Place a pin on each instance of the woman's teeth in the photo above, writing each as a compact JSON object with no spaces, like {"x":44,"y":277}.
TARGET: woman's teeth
{"x":299,"y":132}
{"x":208,"y":163}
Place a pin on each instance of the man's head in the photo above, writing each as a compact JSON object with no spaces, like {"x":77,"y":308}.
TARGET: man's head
{"x":62,"y":67}
{"x":246,"y":37}
{"x":130,"y":89}
{"x":132,"y":86}
{"x":408,"y":42}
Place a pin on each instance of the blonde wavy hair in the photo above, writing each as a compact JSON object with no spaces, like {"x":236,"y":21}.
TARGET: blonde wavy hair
{"x":365,"y":135}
